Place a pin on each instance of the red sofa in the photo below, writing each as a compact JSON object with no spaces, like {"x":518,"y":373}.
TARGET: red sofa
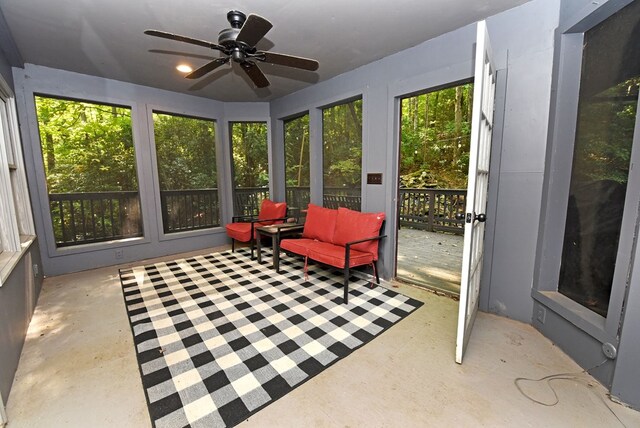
{"x":341,"y":238}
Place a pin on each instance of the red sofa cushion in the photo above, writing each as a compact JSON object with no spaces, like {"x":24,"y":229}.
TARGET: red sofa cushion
{"x":298,"y":246}
{"x":354,"y":225}
{"x":333,"y":255}
{"x":320,"y":223}
{"x":240,"y":231}
{"x":270,"y":209}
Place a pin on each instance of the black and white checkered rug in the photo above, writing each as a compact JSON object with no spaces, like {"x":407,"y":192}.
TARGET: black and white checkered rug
{"x":220,"y":336}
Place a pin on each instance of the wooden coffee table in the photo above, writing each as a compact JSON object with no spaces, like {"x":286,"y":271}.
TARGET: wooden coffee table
{"x":276,"y":232}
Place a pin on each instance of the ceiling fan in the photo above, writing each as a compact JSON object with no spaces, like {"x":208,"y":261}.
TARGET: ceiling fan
{"x":238,"y":44}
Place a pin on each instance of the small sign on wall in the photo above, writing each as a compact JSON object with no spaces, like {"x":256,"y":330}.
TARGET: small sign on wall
{"x":374,"y":178}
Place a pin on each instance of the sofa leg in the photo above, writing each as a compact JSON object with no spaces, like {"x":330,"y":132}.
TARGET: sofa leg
{"x":252,"y":245}
{"x":375,"y":268}
{"x":233,"y":245}
{"x":346,"y":285}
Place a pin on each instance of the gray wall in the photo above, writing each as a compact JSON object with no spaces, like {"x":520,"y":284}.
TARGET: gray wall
{"x":626,"y":377}
{"x":18,"y":296}
{"x":19,"y":293}
{"x":522,"y":41}
{"x":5,"y":69}
{"x":579,"y":332}
{"x":42,"y":80}
{"x":9,"y":55}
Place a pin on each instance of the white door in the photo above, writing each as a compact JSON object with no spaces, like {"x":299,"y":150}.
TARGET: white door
{"x":480,"y":149}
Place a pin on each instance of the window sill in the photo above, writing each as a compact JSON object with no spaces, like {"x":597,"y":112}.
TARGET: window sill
{"x":586,"y":320}
{"x":9,"y":259}
{"x":191,"y":233}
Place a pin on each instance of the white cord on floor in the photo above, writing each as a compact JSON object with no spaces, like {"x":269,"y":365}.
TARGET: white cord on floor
{"x":564,"y":376}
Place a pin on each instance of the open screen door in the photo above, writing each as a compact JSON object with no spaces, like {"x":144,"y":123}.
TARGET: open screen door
{"x":480,"y":150}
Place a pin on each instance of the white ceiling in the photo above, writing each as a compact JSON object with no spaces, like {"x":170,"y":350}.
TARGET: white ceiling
{"x":105,"y":37}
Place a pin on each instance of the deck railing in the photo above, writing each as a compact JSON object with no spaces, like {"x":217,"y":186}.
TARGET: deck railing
{"x":81,"y":218}
{"x":433,"y":210}
{"x":190,"y":209}
{"x":247,"y":200}
{"x":335,"y":197}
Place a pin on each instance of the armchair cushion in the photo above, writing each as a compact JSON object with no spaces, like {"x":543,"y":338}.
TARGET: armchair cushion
{"x":240,"y":231}
{"x":354,"y":225}
{"x":320,"y":223}
{"x":270,"y":210}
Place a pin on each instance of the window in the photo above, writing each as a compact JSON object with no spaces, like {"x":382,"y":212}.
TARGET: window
{"x":90,"y":169}
{"x":186,"y":158}
{"x":16,"y":221}
{"x":607,"y":105}
{"x":342,"y":155}
{"x":250,"y":166}
{"x":296,"y":152}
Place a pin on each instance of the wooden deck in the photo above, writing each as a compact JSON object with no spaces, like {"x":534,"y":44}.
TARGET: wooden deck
{"x":430,"y":259}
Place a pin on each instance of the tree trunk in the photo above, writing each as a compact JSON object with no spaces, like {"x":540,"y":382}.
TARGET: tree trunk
{"x":248,"y":159}
{"x":357,"y":125}
{"x":301,"y":160}
{"x":457,"y":126}
{"x":50,"y":153}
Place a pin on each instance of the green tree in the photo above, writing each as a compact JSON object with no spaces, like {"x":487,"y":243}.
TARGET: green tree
{"x":296,"y":150}
{"x":435,"y":129}
{"x":86,"y":147}
{"x":604,"y":136}
{"x":342,"y":141}
{"x":186,"y":153}
{"x":250,"y":154}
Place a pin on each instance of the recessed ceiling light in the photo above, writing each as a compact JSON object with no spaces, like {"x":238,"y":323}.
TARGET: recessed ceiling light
{"x":184,"y":68}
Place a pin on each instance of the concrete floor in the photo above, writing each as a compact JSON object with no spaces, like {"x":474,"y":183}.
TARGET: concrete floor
{"x":78,"y":369}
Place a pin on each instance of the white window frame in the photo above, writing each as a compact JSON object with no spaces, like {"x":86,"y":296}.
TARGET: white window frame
{"x":17,"y":230}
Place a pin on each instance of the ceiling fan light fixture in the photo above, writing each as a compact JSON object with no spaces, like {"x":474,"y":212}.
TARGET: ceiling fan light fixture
{"x":184,"y":68}
{"x":238,"y":44}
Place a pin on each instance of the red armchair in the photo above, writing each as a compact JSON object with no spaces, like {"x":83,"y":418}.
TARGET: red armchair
{"x":243,"y":228}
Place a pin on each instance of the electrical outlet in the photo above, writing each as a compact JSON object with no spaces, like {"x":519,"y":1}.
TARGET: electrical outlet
{"x":119,"y":254}
{"x":36,"y":270}
{"x":541,"y":314}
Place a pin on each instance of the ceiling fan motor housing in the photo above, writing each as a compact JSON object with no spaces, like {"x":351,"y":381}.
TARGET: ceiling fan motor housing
{"x":228,"y":36}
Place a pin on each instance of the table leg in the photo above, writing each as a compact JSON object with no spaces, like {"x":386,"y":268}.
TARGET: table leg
{"x":276,"y":252}
{"x":259,"y":246}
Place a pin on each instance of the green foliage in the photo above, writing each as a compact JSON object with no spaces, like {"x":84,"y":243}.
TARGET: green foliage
{"x":86,"y":147}
{"x":435,"y":129}
{"x":342,"y":137}
{"x":604,"y":137}
{"x":250,"y":156}
{"x":186,"y":153}
{"x":296,"y":151}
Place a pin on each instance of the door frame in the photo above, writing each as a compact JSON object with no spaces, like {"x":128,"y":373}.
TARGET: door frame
{"x":441,"y":78}
{"x":398,"y":159}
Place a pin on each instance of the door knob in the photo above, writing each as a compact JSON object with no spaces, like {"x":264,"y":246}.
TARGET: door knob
{"x":479,"y":217}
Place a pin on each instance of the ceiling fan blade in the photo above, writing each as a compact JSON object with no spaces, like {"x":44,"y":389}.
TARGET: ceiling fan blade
{"x":289,"y":60}
{"x":255,"y":74}
{"x":185,"y":39}
{"x":207,"y":68}
{"x":253,"y":30}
